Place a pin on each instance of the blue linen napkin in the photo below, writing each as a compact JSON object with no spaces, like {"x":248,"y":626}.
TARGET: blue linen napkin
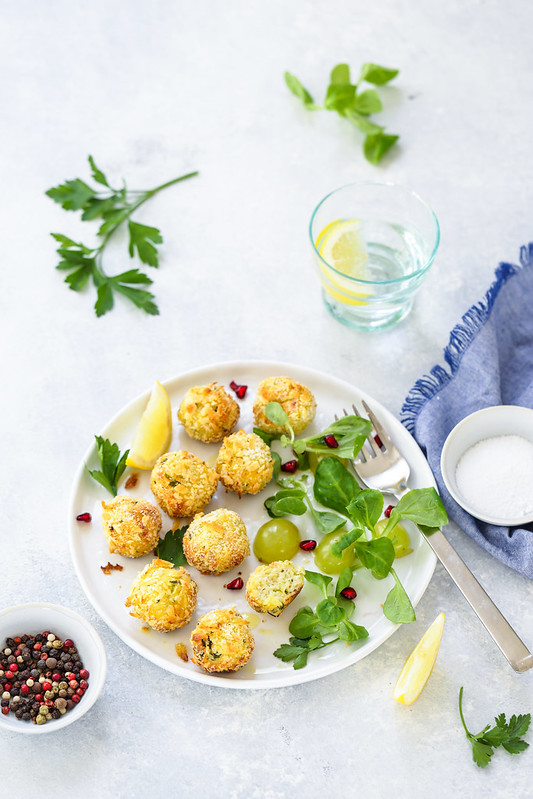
{"x":490,"y":360}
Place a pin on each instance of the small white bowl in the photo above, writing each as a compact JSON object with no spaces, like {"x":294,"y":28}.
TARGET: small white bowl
{"x":498,"y":420}
{"x":33,"y":618}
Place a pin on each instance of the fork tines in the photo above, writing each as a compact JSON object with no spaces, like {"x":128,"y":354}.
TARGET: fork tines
{"x":377,"y":441}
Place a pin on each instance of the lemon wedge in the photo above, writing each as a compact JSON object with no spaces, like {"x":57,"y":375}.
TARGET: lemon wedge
{"x":419,"y":664}
{"x":341,"y":246}
{"x":154,"y":432}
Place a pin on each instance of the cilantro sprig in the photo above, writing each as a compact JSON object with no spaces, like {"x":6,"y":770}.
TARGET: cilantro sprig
{"x":354,"y":103}
{"x":113,"y":207}
{"x":330,"y":617}
{"x":509,"y":734}
{"x":112,"y":464}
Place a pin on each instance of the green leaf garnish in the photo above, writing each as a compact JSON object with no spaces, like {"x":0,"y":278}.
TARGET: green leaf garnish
{"x":507,"y":734}
{"x":112,"y":464}
{"x":346,"y":99}
{"x":113,"y":207}
{"x":171,"y":547}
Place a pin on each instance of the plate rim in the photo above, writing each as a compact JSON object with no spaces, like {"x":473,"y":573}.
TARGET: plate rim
{"x":296,"y":677}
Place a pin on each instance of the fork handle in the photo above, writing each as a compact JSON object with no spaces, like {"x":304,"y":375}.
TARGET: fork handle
{"x":495,"y":623}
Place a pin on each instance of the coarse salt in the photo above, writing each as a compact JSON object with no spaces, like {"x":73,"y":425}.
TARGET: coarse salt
{"x":495,"y":477}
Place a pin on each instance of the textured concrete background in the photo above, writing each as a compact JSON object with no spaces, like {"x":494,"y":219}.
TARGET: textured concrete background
{"x":156,"y":89}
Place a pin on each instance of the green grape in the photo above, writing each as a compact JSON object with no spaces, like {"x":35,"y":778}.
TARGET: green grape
{"x":329,"y":563}
{"x":278,"y":539}
{"x":398,"y":535}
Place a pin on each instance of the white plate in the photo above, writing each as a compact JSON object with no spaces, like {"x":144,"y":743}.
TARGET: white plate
{"x":108,"y":592}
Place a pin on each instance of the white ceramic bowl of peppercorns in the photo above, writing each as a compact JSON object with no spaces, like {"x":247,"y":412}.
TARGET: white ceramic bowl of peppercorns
{"x":52,"y":667}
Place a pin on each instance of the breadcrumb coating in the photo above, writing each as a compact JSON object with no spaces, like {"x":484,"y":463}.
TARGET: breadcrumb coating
{"x":208,"y":413}
{"x":296,"y":400}
{"x":182,"y":483}
{"x":222,"y":641}
{"x":162,"y":596}
{"x":273,"y":586}
{"x":131,"y":526}
{"x":244,"y":463}
{"x":216,"y":542}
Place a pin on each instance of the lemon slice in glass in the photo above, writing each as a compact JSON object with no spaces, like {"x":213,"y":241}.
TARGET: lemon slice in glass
{"x":152,"y":437}
{"x":342,"y":247}
{"x":419,"y":664}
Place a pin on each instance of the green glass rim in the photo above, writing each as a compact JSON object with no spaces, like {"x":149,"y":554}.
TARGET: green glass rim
{"x":378,"y":184}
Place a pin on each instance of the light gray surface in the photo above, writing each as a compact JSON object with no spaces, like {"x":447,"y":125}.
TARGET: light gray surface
{"x":156,"y":89}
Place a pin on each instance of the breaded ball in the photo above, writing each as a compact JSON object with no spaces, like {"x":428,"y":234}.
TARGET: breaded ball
{"x":131,"y":526}
{"x":182,"y":483}
{"x":273,"y":586}
{"x":222,"y":641}
{"x":162,"y":596}
{"x":244,"y":463}
{"x":216,"y":542}
{"x":296,"y":400}
{"x":208,"y":413}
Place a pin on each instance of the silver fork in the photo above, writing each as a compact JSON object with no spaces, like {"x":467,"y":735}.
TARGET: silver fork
{"x":384,"y":468}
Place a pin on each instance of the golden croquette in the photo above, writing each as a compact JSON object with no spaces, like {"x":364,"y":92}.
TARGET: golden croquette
{"x":296,"y":400}
{"x":216,"y":542}
{"x":162,"y":596}
{"x":244,"y":463}
{"x":208,"y":413}
{"x":182,"y":483}
{"x":222,"y":641}
{"x":273,"y":586}
{"x":131,"y":526}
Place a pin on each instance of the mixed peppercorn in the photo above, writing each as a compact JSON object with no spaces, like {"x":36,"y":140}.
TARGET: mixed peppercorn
{"x":41,"y":677}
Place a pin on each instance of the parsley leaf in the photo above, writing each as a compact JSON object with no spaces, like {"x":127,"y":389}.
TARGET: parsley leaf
{"x":171,"y":547}
{"x":507,"y":734}
{"x":345,"y":98}
{"x":112,"y":464}
{"x":113,"y":207}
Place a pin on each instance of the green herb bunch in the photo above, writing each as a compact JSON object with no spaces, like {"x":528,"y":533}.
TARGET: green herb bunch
{"x":113,"y":207}
{"x":331,"y":616}
{"x":508,"y":734}
{"x":354,"y":103}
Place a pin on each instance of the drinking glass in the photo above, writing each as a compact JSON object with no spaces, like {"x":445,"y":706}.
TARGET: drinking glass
{"x":370,"y":276}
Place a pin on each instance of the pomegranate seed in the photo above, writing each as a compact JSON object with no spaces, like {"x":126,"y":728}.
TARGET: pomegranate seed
{"x":83,"y":517}
{"x":84,"y":674}
{"x":239,"y":390}
{"x":377,"y":439}
{"x":388,"y":510}
{"x":75,"y":698}
{"x":289,"y":466}
{"x":235,"y":584}
{"x":349,"y":592}
{"x":308,"y":545}
{"x":331,"y":441}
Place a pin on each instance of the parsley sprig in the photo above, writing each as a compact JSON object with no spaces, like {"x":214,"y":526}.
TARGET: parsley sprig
{"x":507,"y":734}
{"x":114,"y":207}
{"x":171,"y":547}
{"x":112,"y":464}
{"x":356,"y":105}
